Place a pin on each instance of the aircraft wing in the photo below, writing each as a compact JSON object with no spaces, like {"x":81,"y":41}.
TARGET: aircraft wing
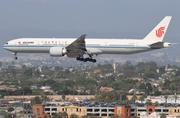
{"x":78,"y":46}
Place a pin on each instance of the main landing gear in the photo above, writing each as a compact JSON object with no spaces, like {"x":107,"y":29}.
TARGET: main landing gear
{"x":15,"y":56}
{"x":90,"y":58}
{"x":85,"y":59}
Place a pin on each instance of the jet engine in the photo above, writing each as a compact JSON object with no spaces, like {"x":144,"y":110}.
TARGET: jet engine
{"x":166,"y":44}
{"x":57,"y":51}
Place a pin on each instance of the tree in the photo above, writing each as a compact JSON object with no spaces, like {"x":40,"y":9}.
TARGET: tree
{"x":134,"y":98}
{"x":74,"y":116}
{"x":65,"y":115}
{"x":10,"y":109}
{"x":148,"y":102}
{"x":63,"y":97}
{"x":157,"y":103}
{"x":166,"y":97}
{"x":123,"y":97}
{"x":23,"y":67}
{"x":148,"y":88}
{"x":175,"y":98}
{"x":27,"y":91}
{"x":44,"y":97}
{"x":60,"y":115}
{"x":7,"y":115}
{"x":142,"y":86}
{"x":157,"y":93}
{"x":163,"y":116}
{"x":162,"y":70}
{"x":142,"y":97}
{"x":36,"y":100}
{"x":116,"y":116}
{"x":28,"y":72}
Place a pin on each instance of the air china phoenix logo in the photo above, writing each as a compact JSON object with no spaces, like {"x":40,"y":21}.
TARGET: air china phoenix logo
{"x":160,"y":32}
{"x":19,"y":42}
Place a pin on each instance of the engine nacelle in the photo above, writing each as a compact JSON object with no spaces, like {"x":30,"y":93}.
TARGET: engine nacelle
{"x":57,"y":51}
{"x":166,"y":44}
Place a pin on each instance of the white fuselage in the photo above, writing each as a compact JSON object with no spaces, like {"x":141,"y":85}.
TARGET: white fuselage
{"x":77,"y":47}
{"x":94,"y":46}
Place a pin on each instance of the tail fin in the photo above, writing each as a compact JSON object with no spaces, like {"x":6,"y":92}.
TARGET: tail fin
{"x":157,"y":34}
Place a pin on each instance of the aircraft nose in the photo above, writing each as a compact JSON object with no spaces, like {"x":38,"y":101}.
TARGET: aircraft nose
{"x":5,"y":46}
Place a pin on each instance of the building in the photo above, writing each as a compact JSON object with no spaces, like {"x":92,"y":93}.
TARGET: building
{"x":107,"y":111}
{"x":38,"y":111}
{"x":106,"y":88}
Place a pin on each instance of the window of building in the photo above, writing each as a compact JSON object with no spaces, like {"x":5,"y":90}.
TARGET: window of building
{"x":150,"y":110}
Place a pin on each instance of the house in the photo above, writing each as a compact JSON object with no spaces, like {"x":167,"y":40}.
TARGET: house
{"x":35,"y":86}
{"x":106,"y":88}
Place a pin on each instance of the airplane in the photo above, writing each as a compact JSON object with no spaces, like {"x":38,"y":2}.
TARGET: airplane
{"x":83,"y":49}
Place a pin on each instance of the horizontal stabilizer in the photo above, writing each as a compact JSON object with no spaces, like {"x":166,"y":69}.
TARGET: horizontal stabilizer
{"x":158,"y":45}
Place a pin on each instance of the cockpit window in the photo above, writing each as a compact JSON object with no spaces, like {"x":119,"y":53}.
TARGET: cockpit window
{"x":6,"y":43}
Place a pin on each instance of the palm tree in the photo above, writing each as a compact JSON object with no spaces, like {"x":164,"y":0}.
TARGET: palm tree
{"x":175,"y":97}
{"x":156,"y":103}
{"x":44,"y":98}
{"x":166,"y":97}
{"x":142,"y":97}
{"x":134,"y":98}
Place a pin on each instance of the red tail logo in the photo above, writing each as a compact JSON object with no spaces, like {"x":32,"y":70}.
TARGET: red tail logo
{"x":160,"y":32}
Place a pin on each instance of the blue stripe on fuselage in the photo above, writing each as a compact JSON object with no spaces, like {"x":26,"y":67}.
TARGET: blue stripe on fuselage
{"x":65,"y":46}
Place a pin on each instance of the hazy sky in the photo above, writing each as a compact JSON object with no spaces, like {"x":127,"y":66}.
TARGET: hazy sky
{"x":87,"y":16}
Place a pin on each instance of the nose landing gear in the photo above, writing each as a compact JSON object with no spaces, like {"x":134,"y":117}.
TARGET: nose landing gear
{"x":15,"y":56}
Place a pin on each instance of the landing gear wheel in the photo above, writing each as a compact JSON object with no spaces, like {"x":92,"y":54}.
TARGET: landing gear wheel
{"x":15,"y":58}
{"x":90,"y":58}
{"x":78,"y":58}
{"x":94,"y":60}
{"x":85,"y":60}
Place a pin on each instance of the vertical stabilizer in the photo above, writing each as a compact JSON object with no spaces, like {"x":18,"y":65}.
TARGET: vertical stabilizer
{"x":157,"y":34}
